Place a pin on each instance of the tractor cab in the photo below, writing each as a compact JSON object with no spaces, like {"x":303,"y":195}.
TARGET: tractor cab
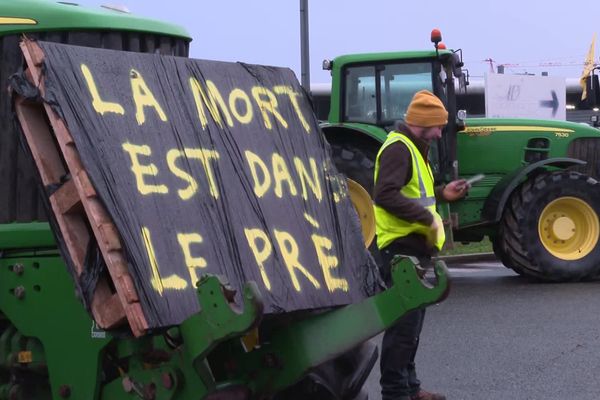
{"x":535,"y":166}
{"x":375,"y":91}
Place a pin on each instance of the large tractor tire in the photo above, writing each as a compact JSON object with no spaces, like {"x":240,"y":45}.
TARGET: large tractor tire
{"x":550,"y":229}
{"x":497,"y":247}
{"x":358,"y":164}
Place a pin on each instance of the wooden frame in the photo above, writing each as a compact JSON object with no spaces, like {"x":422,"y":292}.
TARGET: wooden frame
{"x":80,"y":214}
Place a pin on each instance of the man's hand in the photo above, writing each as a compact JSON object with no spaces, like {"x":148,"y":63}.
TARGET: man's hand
{"x":455,"y":190}
{"x":436,"y":229}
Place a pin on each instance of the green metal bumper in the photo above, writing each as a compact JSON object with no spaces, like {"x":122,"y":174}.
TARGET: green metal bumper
{"x":295,"y":348}
{"x":31,"y":235}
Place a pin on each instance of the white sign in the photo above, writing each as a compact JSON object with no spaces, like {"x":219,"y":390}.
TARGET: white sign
{"x":525,"y":96}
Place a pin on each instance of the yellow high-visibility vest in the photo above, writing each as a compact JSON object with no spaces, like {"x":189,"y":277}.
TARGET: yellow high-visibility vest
{"x":419,"y":188}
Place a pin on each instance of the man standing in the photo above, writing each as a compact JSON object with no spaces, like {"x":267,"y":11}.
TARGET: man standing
{"x":408,"y":224}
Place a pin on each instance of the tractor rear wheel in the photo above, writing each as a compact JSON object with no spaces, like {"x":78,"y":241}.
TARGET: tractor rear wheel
{"x":501,"y":255}
{"x":550,"y":229}
{"x":357,"y":164}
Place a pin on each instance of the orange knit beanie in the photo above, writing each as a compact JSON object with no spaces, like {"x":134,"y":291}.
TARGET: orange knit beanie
{"x":426,"y":110}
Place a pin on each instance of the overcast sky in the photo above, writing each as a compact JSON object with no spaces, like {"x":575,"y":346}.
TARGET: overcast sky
{"x":527,"y":36}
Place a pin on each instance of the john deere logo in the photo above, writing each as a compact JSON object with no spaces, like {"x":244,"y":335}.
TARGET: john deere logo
{"x":488,"y":130}
{"x":480,"y":130}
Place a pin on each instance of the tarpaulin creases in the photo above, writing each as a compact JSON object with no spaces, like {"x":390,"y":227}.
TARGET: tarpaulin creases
{"x":210,"y":167}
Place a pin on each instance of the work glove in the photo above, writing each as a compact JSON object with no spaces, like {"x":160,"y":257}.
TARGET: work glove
{"x":436,"y":230}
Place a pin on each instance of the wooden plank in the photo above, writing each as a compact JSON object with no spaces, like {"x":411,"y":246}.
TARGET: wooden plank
{"x":86,"y":185}
{"x":126,"y":284}
{"x":107,"y":237}
{"x":44,"y":155}
{"x":64,"y":138}
{"x":66,"y":205}
{"x":108,"y":308}
{"x":110,"y":236}
{"x":34,"y":57}
{"x":51,"y":170}
{"x":67,"y":198}
{"x":76,"y":235}
{"x":39,"y":138}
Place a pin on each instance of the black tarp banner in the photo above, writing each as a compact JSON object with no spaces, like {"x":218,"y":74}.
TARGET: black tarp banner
{"x":209,"y":167}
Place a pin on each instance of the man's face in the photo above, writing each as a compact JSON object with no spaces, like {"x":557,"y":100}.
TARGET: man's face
{"x":431,"y":133}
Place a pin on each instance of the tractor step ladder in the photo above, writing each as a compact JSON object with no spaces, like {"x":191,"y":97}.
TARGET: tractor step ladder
{"x":80,"y":214}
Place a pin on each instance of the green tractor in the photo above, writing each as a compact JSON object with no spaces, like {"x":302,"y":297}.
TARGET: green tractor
{"x":50,"y":345}
{"x":539,"y":201}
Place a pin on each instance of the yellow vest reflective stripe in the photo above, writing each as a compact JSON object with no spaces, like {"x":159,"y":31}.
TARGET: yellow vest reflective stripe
{"x":420,"y":188}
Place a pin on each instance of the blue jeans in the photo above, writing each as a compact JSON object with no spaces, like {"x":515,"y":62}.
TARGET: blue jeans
{"x":398,"y":350}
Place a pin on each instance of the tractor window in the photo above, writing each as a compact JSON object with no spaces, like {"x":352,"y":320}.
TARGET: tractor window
{"x":360,"y":104}
{"x":397,"y":83}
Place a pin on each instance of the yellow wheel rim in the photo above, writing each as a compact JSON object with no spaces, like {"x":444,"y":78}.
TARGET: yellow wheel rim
{"x":364,"y":208}
{"x":569,"y":228}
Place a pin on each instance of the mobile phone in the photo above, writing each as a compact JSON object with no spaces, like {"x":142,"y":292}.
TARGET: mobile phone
{"x":474,"y":179}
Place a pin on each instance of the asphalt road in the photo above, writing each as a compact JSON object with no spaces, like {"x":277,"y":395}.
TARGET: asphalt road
{"x":498,"y":337}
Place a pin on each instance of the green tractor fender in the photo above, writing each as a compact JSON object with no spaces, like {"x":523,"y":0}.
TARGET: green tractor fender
{"x":355,"y":130}
{"x":370,"y":134}
{"x":496,"y":201}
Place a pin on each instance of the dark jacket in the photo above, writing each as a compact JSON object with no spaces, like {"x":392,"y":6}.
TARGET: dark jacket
{"x":395,"y":171}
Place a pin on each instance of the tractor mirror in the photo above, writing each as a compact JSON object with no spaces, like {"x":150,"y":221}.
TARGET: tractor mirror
{"x":457,"y":63}
{"x":593,"y":92}
{"x":463,"y":81}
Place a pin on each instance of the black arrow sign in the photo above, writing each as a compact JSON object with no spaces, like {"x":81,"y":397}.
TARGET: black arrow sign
{"x":553,"y":104}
